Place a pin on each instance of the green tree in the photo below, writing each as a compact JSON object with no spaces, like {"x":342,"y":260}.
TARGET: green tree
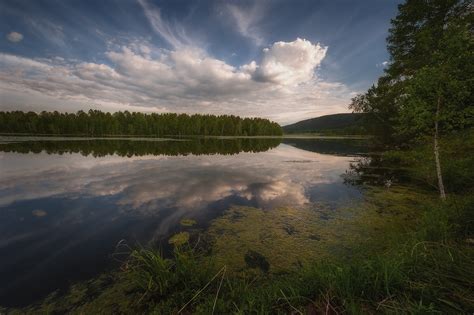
{"x":97,"y":123}
{"x":440,"y":96}
{"x":427,"y":88}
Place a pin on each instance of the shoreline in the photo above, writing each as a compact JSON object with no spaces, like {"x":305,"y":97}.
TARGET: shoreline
{"x":178,"y":137}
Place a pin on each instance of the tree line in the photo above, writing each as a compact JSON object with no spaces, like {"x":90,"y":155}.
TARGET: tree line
{"x":427,"y":87}
{"x":98,"y":123}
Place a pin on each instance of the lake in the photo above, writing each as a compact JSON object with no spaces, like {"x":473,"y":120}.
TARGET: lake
{"x":65,"y":203}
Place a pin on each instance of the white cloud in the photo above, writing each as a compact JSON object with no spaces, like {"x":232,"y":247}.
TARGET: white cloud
{"x":246,"y":20}
{"x":175,"y":36}
{"x":282,"y":86}
{"x":290,"y":63}
{"x":15,"y":37}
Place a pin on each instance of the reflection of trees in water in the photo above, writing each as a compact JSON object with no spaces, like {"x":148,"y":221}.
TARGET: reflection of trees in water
{"x":344,"y":147}
{"x":200,"y":146}
{"x":374,"y":170}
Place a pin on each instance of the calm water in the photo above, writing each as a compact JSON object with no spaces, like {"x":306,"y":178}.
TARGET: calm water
{"x":66,"y":203}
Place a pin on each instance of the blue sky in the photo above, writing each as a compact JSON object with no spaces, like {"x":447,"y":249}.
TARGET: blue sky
{"x":284,"y":60}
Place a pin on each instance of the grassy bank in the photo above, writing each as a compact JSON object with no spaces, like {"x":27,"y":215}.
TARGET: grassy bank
{"x":405,"y":252}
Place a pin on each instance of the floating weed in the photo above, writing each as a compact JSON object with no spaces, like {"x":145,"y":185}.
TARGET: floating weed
{"x":187,"y":222}
{"x":284,"y":237}
{"x":179,"y":239}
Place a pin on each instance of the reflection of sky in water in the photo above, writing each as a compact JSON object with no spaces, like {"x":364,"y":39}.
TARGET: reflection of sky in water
{"x":62,"y":215}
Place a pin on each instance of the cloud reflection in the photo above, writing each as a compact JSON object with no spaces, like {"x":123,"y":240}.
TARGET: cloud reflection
{"x":62,"y":209}
{"x":174,"y":187}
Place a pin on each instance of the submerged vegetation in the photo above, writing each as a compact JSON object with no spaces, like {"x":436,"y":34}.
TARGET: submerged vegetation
{"x":97,"y":123}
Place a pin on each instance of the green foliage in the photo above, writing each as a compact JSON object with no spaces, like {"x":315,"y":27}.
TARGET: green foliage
{"x":97,"y":123}
{"x":379,"y":104}
{"x":431,"y":47}
{"x":151,"y":272}
{"x":458,"y":161}
{"x":449,"y":82}
{"x":418,"y":32}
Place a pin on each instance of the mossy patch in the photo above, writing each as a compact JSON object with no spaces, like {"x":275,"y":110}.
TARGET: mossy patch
{"x":179,"y":239}
{"x":292,"y":237}
{"x":187,"y":222}
{"x":284,"y":236}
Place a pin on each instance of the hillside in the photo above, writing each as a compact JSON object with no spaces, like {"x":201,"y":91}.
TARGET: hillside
{"x":347,"y":124}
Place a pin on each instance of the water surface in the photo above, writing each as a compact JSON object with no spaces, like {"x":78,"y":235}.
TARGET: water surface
{"x":66,"y":203}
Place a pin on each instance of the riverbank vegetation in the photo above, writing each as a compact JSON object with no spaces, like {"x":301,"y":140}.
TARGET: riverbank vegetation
{"x":97,"y":123}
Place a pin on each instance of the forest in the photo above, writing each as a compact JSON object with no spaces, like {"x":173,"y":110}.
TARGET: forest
{"x":335,"y":124}
{"x":98,"y":123}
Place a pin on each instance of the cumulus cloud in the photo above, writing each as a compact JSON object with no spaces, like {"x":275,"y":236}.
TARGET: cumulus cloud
{"x":15,"y":37}
{"x":281,"y":86}
{"x":290,"y":63}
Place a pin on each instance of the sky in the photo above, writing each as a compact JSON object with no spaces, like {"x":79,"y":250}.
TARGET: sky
{"x":282,"y":60}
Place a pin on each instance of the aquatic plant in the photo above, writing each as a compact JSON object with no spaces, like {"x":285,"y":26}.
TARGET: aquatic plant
{"x":187,"y":222}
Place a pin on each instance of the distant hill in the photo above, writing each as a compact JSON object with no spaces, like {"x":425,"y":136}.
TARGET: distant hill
{"x":337,"y":124}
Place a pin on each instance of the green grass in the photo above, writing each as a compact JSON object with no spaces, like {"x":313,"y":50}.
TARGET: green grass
{"x":410,"y":254}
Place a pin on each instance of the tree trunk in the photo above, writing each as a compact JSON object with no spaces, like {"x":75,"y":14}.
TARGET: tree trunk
{"x":442,"y":193}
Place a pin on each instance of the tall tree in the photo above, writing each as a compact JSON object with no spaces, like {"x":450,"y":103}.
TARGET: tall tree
{"x":440,"y":95}
{"x":427,"y":88}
